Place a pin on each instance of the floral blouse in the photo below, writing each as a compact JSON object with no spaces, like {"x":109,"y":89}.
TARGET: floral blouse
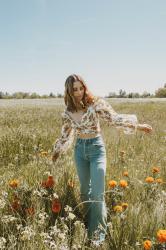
{"x":90,"y":123}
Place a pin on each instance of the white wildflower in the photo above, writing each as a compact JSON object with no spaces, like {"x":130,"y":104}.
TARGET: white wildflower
{"x":27,"y":234}
{"x":47,"y":173}
{"x":2,"y":242}
{"x":42,"y":218}
{"x":71,"y":216}
{"x":61,"y":236}
{"x":55,"y":196}
{"x":4,"y":194}
{"x":40,"y":193}
{"x":19,"y":226}
{"x":2,"y":203}
{"x":67,"y":208}
{"x":8,"y":218}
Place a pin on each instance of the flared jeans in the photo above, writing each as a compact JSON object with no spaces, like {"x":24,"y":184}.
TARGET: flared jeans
{"x":90,"y":159}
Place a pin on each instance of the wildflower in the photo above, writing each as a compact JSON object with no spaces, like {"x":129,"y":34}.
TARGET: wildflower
{"x":123,"y":183}
{"x":125,"y":173}
{"x":43,"y":153}
{"x":155,"y":170}
{"x":161,"y":236}
{"x":2,"y":243}
{"x":42,"y":218}
{"x":147,"y":244}
{"x":149,"y":179}
{"x":118,"y":208}
{"x":30,"y":211}
{"x":112,"y":183}
{"x":2,"y":203}
{"x":71,"y":216}
{"x":49,"y":183}
{"x":56,"y":206}
{"x":124,"y":205}
{"x":27,"y":234}
{"x":67,"y":208}
{"x":14,"y":183}
{"x":15,"y":205}
{"x":159,"y":180}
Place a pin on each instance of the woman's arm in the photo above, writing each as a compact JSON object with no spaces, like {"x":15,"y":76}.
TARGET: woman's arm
{"x":145,"y":128}
{"x":62,"y":144}
{"x":127,"y":122}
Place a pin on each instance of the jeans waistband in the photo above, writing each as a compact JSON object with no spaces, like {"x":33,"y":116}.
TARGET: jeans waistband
{"x":88,"y":140}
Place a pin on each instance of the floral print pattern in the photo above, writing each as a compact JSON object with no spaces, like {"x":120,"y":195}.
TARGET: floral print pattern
{"x":89,"y":123}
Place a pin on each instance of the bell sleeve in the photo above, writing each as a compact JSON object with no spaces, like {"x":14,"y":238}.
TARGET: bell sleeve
{"x":127,"y":122}
{"x":63,"y":143}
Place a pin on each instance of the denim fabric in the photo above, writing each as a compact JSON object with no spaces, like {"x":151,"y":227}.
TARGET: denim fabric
{"x":90,"y":159}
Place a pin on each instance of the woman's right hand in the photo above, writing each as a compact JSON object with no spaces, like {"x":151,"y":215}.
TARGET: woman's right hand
{"x":55,"y":156}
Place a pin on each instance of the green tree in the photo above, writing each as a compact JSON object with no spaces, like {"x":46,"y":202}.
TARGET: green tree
{"x":161,"y":92}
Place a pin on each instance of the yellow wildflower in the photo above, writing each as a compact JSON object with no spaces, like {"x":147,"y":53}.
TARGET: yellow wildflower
{"x":14,"y":183}
{"x":124,"y":205}
{"x":118,"y":208}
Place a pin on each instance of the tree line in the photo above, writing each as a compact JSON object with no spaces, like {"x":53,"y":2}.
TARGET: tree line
{"x":160,"y":93}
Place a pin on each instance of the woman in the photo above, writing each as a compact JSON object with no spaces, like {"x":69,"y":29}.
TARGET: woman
{"x":81,"y":119}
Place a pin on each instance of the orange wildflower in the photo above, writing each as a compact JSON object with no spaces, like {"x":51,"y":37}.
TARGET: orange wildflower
{"x":155,"y":170}
{"x":118,"y":208}
{"x":15,"y":205}
{"x":149,"y":179}
{"x":49,"y":183}
{"x":147,"y":244}
{"x":124,"y":205}
{"x":56,"y":206}
{"x":112,"y":183}
{"x":159,"y":180}
{"x":123,"y":183}
{"x":161,"y":236}
{"x":14,"y":183}
{"x":125,"y":173}
{"x":30,"y":211}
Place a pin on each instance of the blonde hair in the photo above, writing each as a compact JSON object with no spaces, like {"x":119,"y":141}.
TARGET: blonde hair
{"x":87,"y":99}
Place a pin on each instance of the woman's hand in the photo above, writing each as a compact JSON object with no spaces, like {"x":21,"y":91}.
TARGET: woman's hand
{"x":144,"y":127}
{"x":55,"y":156}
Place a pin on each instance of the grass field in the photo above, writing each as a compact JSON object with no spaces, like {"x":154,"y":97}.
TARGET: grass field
{"x":40,"y":206}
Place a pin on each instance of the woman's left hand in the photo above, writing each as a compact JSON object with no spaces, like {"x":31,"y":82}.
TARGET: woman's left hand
{"x":145,"y":127}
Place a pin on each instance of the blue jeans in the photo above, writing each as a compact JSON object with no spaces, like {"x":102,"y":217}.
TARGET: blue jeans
{"x":90,"y":159}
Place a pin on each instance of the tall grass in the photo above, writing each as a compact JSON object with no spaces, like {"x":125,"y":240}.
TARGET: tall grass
{"x":27,"y":134}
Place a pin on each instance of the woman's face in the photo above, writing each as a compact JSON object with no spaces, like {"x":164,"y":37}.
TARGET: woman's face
{"x":78,"y":91}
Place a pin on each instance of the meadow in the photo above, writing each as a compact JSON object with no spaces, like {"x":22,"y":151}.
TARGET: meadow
{"x":40,"y":205}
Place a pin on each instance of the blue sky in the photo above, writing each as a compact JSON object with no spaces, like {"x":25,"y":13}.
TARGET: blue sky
{"x":112,"y":44}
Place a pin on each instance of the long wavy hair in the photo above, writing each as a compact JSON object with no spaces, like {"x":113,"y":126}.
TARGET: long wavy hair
{"x":69,"y":99}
